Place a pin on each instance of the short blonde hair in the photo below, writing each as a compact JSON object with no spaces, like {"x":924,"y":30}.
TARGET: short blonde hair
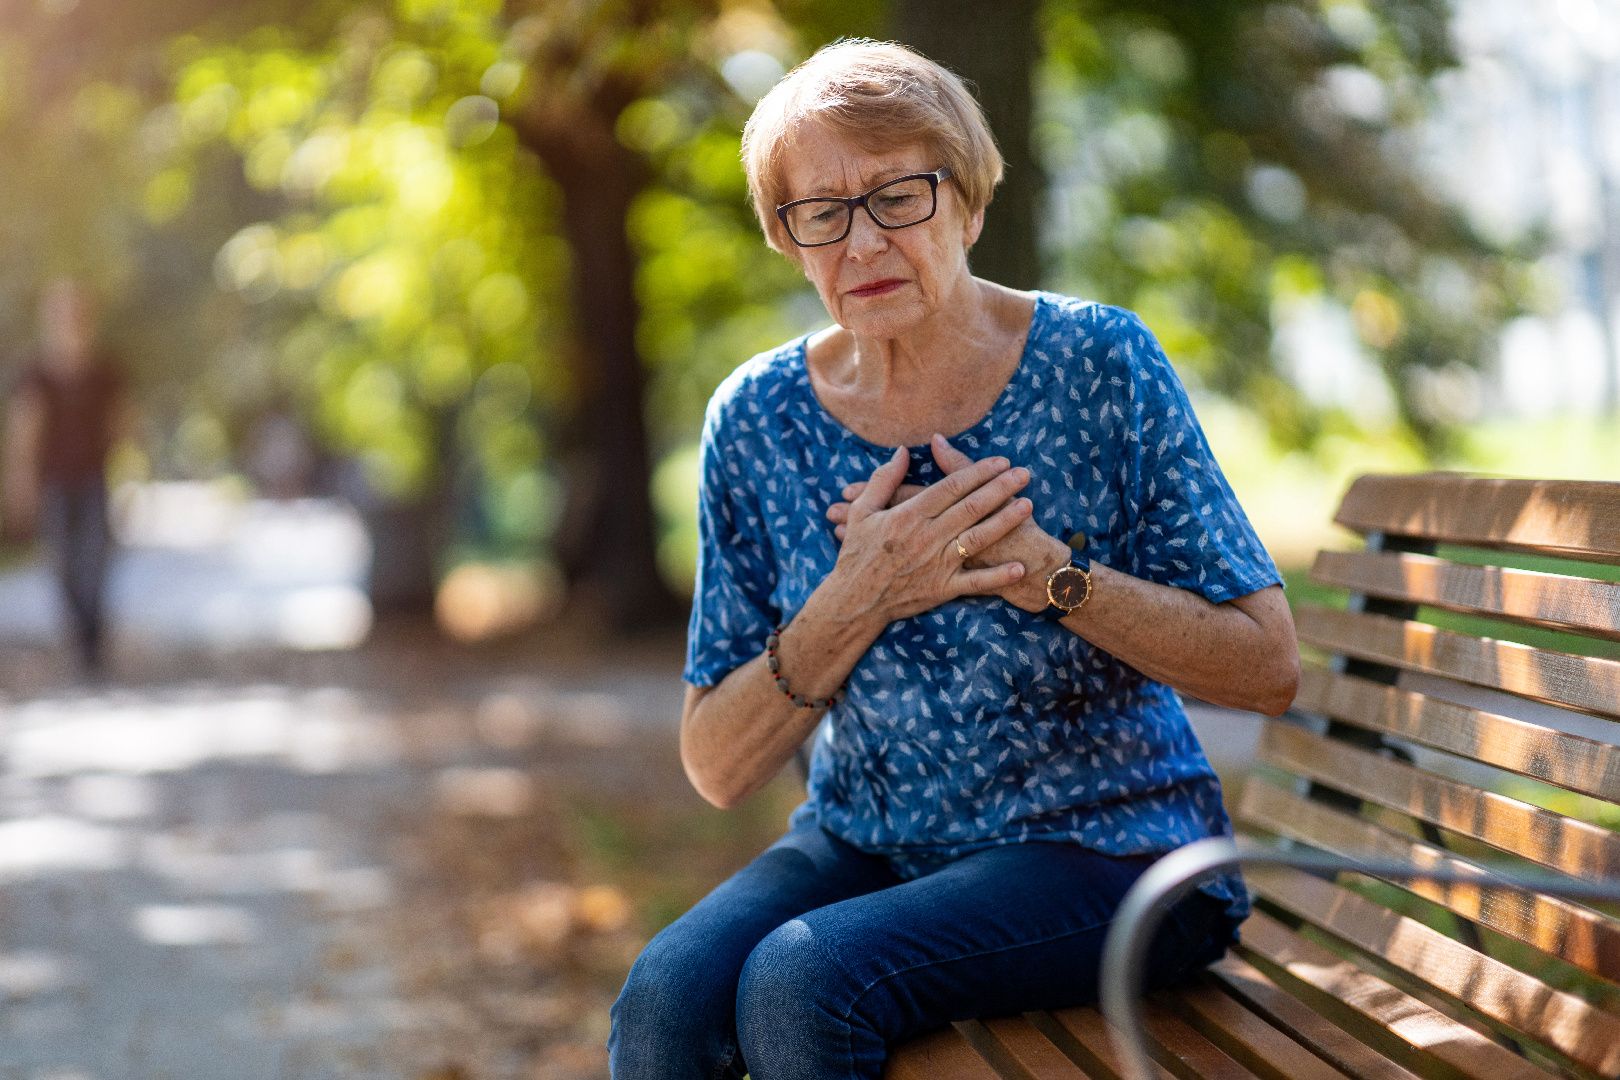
{"x":878,"y":94}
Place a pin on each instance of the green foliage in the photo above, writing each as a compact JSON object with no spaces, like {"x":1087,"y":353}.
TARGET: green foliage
{"x":711,"y":293}
{"x":1218,"y":165}
{"x":85,"y":190}
{"x":332,"y":204}
{"x":407,"y":274}
{"x":70,"y":201}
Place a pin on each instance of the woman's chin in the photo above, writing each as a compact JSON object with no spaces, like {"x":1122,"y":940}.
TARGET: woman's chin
{"x":881,"y":319}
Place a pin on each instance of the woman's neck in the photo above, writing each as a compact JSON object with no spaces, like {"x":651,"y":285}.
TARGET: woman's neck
{"x":952,"y":343}
{"x":940,"y":376}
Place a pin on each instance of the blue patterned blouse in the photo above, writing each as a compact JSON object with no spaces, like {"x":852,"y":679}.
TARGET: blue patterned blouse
{"x":977,"y":724}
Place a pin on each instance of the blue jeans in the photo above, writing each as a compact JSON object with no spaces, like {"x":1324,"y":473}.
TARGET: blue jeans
{"x":816,"y":958}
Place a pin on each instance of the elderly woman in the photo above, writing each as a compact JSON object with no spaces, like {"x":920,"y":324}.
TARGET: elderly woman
{"x":978,"y":533}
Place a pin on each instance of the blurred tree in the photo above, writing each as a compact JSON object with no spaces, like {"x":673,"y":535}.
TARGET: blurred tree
{"x":404,"y":282}
{"x":996,"y":47}
{"x":587,"y":63}
{"x":509,"y":239}
{"x":83,"y":191}
{"x":1219,"y":167}
{"x":634,"y":109}
{"x":365,"y":274}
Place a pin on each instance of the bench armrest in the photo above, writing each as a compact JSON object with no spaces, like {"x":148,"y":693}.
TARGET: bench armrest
{"x":1166,"y":881}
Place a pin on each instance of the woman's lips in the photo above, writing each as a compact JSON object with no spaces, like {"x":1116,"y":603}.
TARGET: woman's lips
{"x":878,"y":288}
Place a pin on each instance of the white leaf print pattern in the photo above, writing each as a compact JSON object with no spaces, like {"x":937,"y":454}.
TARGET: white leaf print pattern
{"x":1050,"y":739}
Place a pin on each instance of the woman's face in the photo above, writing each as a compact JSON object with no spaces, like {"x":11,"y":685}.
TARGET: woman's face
{"x":915,"y":270}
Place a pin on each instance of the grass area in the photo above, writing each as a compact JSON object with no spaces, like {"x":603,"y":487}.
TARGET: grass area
{"x":669,"y":860}
{"x":1300,"y":589}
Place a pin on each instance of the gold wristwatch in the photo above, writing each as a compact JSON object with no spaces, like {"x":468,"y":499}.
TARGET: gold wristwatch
{"x":1069,"y":587}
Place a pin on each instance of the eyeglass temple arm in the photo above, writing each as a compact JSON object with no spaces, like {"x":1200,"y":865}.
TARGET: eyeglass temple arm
{"x":1166,"y":881}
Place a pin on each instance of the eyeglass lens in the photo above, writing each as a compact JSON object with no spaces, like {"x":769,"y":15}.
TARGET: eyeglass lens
{"x":903,"y":202}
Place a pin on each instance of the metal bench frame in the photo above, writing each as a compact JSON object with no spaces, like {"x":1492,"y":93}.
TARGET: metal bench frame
{"x":1125,"y":949}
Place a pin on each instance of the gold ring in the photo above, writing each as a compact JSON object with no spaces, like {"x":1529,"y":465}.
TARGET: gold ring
{"x":960,"y":550}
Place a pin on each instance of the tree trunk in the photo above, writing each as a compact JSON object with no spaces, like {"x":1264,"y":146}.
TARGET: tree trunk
{"x":995,"y":46}
{"x":409,"y":539}
{"x":606,"y":546}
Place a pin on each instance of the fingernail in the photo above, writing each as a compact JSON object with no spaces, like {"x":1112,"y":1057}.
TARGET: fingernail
{"x":1002,"y":463}
{"x":1018,"y":570}
{"x":1022,"y":473}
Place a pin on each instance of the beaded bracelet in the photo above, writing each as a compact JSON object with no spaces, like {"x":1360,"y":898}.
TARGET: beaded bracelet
{"x":775,"y":665}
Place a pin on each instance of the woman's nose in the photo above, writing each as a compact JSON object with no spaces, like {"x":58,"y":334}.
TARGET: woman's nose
{"x":865,"y":238}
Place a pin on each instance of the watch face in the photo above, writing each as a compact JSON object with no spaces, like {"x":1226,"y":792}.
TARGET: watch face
{"x":1069,"y":587}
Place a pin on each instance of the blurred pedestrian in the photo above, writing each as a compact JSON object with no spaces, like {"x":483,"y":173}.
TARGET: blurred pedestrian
{"x":67,"y":410}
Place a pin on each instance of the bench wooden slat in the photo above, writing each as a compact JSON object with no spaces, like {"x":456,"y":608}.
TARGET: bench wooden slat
{"x":1246,"y":1037}
{"x":1586,"y":605}
{"x":1588,"y":683}
{"x":1518,"y":828}
{"x":1083,"y":1035}
{"x":1017,"y":1049}
{"x":1489,"y":987}
{"x":1574,"y":762}
{"x":1256,"y":990}
{"x":1190,"y":1055}
{"x":1407,"y":1023}
{"x":1573,"y":518}
{"x":1576,"y":934}
{"x":939,"y":1053}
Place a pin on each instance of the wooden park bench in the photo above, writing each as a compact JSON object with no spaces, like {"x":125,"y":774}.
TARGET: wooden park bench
{"x":1460,"y":712}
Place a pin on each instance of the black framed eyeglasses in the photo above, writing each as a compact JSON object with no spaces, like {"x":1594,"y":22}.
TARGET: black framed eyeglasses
{"x":894,"y":204}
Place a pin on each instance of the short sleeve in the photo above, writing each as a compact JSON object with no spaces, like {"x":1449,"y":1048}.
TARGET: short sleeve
{"x":732,"y":611}
{"x":1186,"y":528}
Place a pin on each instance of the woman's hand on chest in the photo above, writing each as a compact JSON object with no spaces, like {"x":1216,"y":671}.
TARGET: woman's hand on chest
{"x":1026,"y":544}
{"x":901,"y":557}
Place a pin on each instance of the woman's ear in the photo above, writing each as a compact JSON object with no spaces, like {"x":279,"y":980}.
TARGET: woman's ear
{"x":972,"y":228}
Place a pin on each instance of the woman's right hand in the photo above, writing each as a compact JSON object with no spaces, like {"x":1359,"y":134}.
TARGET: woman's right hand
{"x":901,"y":560}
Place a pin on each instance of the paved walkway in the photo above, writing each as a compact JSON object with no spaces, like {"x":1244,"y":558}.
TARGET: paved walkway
{"x":184,"y":874}
{"x":251,"y":880}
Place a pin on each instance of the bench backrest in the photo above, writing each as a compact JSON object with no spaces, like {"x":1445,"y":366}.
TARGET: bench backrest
{"x":1464,"y":708}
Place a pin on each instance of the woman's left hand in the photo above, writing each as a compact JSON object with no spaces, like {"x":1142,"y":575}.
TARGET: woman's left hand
{"x":1038,"y":550}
